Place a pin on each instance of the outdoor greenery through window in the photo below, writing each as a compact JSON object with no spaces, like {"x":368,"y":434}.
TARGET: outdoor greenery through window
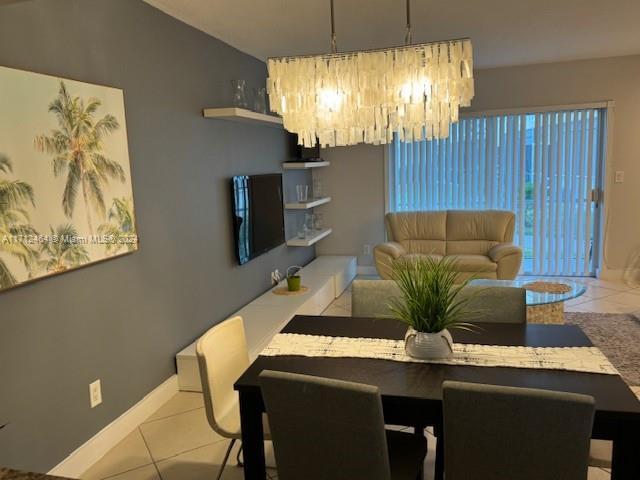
{"x":545,"y":166}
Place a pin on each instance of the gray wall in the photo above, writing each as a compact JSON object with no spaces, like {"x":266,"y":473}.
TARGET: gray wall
{"x":509,"y":87}
{"x":123,"y":320}
{"x":355,"y":183}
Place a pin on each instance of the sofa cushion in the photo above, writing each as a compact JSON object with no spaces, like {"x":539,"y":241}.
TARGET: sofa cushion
{"x":474,"y":263}
{"x":425,"y":247}
{"x":470,"y":247}
{"x":476,"y":231}
{"x":417,"y":256}
{"x":492,"y":225}
{"x":402,"y":226}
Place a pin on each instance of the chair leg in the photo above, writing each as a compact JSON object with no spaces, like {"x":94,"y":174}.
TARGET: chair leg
{"x":439,"y":467}
{"x":238,"y":461}
{"x":226,"y":457}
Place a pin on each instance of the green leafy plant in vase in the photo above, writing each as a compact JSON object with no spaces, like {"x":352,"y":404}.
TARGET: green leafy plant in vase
{"x":430,"y":304}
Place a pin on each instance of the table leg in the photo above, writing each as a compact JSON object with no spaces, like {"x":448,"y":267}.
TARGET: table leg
{"x":625,"y":463}
{"x":252,"y":436}
{"x":418,"y":431}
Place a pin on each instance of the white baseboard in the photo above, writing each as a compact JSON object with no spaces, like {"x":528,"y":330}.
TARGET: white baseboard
{"x":367,"y":270}
{"x":97,"y":446}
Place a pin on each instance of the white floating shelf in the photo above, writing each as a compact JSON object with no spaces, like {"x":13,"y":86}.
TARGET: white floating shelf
{"x":301,"y":165}
{"x":307,"y":205}
{"x":310,"y":240}
{"x":243,"y":115}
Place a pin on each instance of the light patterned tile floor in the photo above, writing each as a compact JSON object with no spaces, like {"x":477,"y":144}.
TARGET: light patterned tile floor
{"x":176,"y":442}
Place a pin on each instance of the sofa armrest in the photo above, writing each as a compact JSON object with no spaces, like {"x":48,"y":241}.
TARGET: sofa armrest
{"x":384,"y":255}
{"x":393,"y":249}
{"x":508,"y":257}
{"x":497,"y":252}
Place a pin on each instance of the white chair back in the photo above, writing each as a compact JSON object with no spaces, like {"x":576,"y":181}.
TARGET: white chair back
{"x":222,"y":357}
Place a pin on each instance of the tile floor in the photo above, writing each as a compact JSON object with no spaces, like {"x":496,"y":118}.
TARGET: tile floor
{"x":176,"y":443}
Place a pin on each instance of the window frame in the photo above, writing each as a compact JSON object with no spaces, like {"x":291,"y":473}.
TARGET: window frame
{"x":605,"y":166}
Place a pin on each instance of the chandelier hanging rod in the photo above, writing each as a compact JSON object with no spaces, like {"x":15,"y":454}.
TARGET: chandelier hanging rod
{"x":334,"y":43}
{"x":354,"y":52}
{"x":407,"y":35}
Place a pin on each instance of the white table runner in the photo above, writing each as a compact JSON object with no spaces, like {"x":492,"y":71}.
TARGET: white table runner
{"x":578,"y":359}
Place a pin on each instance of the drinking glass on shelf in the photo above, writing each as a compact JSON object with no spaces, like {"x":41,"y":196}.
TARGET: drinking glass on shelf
{"x":309,"y":221}
{"x":303,"y":230}
{"x":260,"y":100}
{"x":239,"y":93}
{"x":317,"y":188}
{"x":318,"y":222}
{"x":302,"y":193}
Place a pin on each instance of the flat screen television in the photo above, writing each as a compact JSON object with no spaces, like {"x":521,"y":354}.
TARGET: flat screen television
{"x":258,"y":215}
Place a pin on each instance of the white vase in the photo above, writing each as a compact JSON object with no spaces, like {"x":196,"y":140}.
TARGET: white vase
{"x":428,"y":345}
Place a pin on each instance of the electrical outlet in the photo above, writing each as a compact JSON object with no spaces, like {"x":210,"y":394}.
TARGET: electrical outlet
{"x":366,"y":250}
{"x":95,"y":393}
{"x":619,"y":176}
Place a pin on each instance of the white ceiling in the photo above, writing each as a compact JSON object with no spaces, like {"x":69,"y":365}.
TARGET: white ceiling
{"x":504,"y":32}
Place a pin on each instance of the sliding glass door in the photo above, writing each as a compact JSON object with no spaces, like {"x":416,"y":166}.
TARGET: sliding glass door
{"x":545,"y":166}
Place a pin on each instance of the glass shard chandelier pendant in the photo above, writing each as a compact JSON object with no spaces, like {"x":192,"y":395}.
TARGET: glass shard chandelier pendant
{"x":347,"y":98}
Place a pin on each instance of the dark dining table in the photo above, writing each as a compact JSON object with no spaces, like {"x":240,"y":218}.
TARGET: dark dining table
{"x":412,"y":392}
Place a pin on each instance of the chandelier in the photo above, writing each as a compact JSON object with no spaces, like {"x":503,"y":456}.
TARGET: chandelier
{"x":366,"y":96}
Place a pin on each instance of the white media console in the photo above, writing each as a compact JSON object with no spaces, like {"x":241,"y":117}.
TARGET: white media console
{"x":326,"y":276}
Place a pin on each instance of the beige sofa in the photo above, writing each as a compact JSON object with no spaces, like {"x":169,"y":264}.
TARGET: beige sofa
{"x":479,"y":240}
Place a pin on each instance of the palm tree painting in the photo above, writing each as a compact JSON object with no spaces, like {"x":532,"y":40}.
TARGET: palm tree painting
{"x":15,"y":228}
{"x":120,"y":230}
{"x":62,"y":252}
{"x":66,"y":196}
{"x":77,"y":150}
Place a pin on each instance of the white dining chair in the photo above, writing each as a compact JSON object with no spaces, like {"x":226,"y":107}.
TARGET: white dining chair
{"x":222,"y":358}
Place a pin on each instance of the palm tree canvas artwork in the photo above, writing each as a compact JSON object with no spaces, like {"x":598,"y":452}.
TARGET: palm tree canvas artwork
{"x":66,"y":198}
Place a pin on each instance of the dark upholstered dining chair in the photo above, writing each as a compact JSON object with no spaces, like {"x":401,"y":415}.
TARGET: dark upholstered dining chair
{"x":329,"y":429}
{"x":495,"y":433}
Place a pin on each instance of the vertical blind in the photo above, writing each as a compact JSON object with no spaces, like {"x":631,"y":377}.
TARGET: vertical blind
{"x":542,"y":166}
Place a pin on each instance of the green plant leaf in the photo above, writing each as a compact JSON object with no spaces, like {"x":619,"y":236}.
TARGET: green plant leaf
{"x":430,"y":299}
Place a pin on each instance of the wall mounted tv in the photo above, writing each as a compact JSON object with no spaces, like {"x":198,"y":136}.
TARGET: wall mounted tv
{"x":258,"y":215}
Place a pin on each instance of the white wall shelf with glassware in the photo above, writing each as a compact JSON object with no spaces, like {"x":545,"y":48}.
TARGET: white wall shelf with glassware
{"x":309,"y":239}
{"x":304,"y":165}
{"x":306,"y":205}
{"x":236,"y":114}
